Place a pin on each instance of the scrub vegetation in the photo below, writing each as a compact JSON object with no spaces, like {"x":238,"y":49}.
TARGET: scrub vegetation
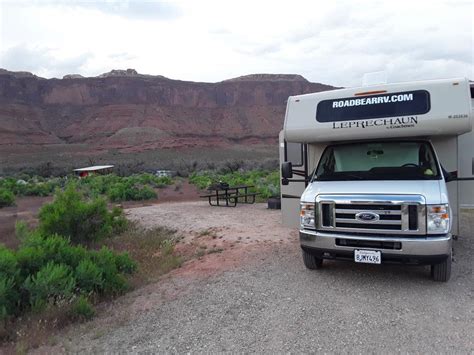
{"x":266,"y":182}
{"x":115,"y":188}
{"x":80,"y":253}
{"x":7,"y":198}
{"x":55,"y":264}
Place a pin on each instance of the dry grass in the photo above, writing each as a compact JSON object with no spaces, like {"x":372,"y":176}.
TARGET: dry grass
{"x":35,"y":329}
{"x":152,"y":249}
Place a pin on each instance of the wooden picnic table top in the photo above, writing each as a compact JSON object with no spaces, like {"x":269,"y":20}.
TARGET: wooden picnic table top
{"x":224,"y":188}
{"x":230,"y":195}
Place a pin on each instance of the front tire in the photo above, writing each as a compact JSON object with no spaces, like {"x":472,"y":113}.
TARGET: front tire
{"x":311,"y":261}
{"x":442,"y":272}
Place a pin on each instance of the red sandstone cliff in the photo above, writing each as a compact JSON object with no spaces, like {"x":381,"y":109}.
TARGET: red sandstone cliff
{"x":127,"y":110}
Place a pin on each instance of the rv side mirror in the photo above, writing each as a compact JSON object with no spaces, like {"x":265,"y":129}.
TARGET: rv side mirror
{"x":449,"y":176}
{"x":286,"y":170}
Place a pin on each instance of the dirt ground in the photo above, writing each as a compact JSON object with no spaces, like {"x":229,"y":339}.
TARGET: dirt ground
{"x":248,"y":291}
{"x":256,"y":296}
{"x":245,"y":223}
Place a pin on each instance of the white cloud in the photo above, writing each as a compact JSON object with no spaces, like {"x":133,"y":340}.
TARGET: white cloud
{"x":42,"y":61}
{"x":331,"y":42}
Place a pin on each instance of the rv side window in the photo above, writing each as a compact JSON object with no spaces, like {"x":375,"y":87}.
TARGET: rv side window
{"x":294,"y":153}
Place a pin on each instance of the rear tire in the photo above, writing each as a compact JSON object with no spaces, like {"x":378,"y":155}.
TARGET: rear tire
{"x":311,"y":261}
{"x":442,"y":272}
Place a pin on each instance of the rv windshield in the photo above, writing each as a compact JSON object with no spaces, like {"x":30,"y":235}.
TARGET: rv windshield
{"x":390,"y":160}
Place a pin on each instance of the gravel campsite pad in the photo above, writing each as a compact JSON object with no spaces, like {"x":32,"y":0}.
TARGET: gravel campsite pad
{"x":256,"y":296}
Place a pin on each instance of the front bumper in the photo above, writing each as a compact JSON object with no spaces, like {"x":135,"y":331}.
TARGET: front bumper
{"x":410,"y":250}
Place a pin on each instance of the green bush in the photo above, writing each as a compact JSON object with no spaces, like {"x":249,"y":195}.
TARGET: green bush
{"x":131,"y":188}
{"x":88,"y":276}
{"x":8,"y":297}
{"x":22,"y":232}
{"x":48,"y":270}
{"x":8,"y":263}
{"x":125,"y":264}
{"x":30,"y":260}
{"x":31,"y":186}
{"x":51,"y":269}
{"x":127,"y":191}
{"x":266,"y":183}
{"x":38,"y":189}
{"x":72,"y":216}
{"x":82,"y":309}
{"x":6,"y":198}
{"x":72,"y":255}
{"x":52,"y":283}
{"x":114,"y":283}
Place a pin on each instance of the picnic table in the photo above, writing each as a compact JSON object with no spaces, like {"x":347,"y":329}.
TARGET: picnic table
{"x":228,"y":196}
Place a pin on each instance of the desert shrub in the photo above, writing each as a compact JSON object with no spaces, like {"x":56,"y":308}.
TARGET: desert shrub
{"x":8,"y":263}
{"x":114,"y":283}
{"x":128,"y":191}
{"x":72,"y":216}
{"x":266,"y":183}
{"x":82,"y":309}
{"x":7,"y":198}
{"x":8,"y":297}
{"x":152,"y":180}
{"x":96,"y":185}
{"x":52,"y":245}
{"x":30,"y":260}
{"x":25,"y":185}
{"x":88,"y":276}
{"x":72,"y":255}
{"x":117,"y":188}
{"x":38,"y":189}
{"x":125,"y":264}
{"x":22,"y":232}
{"x":52,"y":283}
{"x":49,"y":270}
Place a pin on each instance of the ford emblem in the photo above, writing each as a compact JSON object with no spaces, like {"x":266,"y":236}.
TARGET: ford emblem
{"x":367,"y":216}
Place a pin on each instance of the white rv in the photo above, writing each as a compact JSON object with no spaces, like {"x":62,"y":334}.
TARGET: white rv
{"x":377,"y":174}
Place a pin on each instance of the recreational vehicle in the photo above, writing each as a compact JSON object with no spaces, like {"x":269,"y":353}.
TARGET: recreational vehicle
{"x":378,"y":174}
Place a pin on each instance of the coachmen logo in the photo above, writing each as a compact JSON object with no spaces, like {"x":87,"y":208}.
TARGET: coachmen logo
{"x":367,"y":216}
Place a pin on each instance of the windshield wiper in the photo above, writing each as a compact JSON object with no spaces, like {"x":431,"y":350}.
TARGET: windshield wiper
{"x":355,"y":176}
{"x":340,"y":177}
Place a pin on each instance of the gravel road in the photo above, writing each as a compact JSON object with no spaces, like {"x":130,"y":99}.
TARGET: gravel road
{"x":270,"y":302}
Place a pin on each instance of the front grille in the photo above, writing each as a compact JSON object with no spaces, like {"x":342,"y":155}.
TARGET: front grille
{"x":389,"y":215}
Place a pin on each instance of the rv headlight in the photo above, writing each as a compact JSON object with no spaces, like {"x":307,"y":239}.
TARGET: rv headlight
{"x":437,"y":218}
{"x":307,"y":216}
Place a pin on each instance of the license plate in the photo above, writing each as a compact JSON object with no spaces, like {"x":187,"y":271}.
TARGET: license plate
{"x":368,"y":256}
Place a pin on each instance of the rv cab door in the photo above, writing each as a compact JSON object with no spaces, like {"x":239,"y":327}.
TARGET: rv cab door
{"x":291,"y":193}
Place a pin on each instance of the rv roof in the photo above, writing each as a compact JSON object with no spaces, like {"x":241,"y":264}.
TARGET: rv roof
{"x":95,"y":168}
{"x":377,"y":87}
{"x":418,"y":108}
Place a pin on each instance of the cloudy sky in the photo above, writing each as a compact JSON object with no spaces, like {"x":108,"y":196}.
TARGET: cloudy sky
{"x":329,"y":41}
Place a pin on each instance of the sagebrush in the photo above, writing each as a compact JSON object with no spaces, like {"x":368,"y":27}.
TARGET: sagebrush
{"x":49,"y":270}
{"x":72,"y":215}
